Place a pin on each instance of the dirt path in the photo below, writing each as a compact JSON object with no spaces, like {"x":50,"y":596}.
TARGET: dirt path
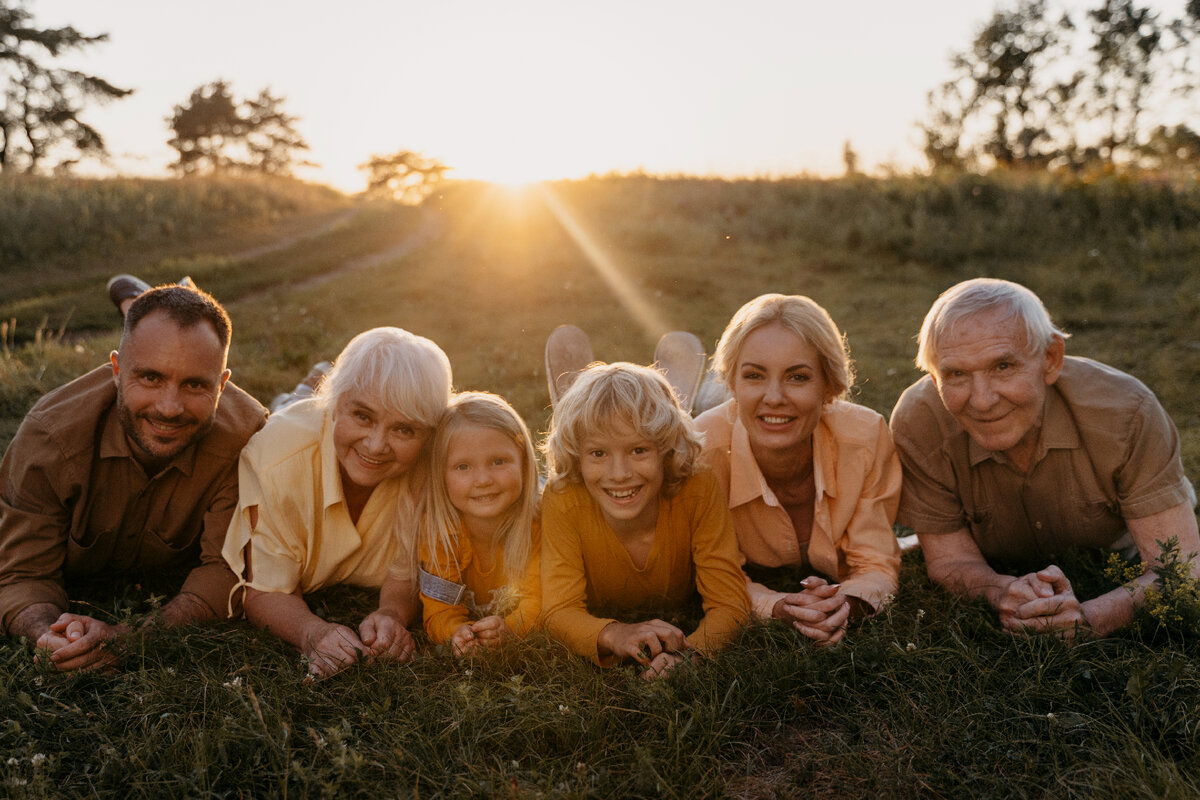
{"x":427,"y":230}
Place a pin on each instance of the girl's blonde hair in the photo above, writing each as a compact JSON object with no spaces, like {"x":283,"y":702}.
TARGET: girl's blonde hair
{"x":605,"y":395}
{"x":443,"y":522}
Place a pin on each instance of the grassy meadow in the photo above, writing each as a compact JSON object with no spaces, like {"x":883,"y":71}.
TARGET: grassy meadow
{"x":930,"y":699}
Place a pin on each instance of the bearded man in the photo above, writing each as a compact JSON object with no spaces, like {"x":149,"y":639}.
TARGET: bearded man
{"x":130,"y":468}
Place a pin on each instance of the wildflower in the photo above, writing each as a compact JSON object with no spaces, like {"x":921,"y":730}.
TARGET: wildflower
{"x":13,"y":761}
{"x":515,"y":763}
{"x":910,"y":647}
{"x":468,"y":672}
{"x":37,"y":759}
{"x":1050,"y":716}
{"x":237,"y":681}
{"x":563,"y":709}
{"x":920,"y":614}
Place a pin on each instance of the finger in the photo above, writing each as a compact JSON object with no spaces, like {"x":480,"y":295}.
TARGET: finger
{"x":1054,"y":576}
{"x":94,"y":639}
{"x":813,"y":581}
{"x":368,"y":631}
{"x":93,"y":659}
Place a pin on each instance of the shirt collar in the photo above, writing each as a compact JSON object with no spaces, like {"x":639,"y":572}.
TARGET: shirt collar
{"x":331,"y":470}
{"x":1058,"y":432}
{"x":746,"y":481}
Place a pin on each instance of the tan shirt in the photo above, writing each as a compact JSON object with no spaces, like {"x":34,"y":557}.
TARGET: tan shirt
{"x":585,"y":567}
{"x":1107,"y":453}
{"x":304,"y":538}
{"x":857,"y":477}
{"x":74,"y":501}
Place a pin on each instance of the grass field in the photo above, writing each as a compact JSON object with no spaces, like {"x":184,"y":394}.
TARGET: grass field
{"x":927,"y":700}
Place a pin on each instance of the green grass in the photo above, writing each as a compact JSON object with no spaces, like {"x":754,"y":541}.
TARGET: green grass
{"x":930,"y":699}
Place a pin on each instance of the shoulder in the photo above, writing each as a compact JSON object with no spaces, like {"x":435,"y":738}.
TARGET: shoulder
{"x":700,"y":487}
{"x":239,"y":416}
{"x":716,"y":424}
{"x":294,"y":432}
{"x":1089,"y":385}
{"x":72,"y":413}
{"x":853,"y":424}
{"x":919,"y":414}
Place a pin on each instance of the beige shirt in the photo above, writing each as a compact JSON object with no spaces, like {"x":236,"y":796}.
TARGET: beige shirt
{"x":1107,"y":452}
{"x":304,"y":538}
{"x":75,"y":502}
{"x":857,"y":477}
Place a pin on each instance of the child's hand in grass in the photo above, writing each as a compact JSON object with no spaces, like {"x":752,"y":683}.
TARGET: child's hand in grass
{"x":330,"y":648}
{"x":79,"y":642}
{"x":385,"y":636}
{"x":663,"y":663}
{"x":487,"y":632}
{"x":642,"y":641}
{"x":820,"y":611}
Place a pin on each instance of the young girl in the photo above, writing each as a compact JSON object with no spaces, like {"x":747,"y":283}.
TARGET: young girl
{"x":480,"y":553}
{"x":630,"y":524}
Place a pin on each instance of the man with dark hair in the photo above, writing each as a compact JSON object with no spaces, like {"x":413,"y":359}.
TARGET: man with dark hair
{"x":129,"y":468}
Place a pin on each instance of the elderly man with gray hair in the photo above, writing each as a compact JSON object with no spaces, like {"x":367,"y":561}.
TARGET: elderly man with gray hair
{"x":1014,"y":452}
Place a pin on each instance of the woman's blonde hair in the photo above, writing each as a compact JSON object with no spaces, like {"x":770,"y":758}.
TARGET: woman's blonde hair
{"x":443,"y":522}
{"x":606,"y":395}
{"x":802,"y":316}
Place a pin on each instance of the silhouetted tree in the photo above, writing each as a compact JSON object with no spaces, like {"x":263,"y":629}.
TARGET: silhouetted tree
{"x":41,"y":104}
{"x":404,"y":175}
{"x":1127,"y":47}
{"x":215,"y":132}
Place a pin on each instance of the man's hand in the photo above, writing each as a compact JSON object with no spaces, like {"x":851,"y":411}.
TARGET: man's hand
{"x":820,"y":611}
{"x":1050,"y":606}
{"x":385,"y":637}
{"x":79,"y":642}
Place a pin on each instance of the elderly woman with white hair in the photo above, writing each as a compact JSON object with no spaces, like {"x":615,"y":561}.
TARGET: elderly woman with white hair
{"x":330,"y":494}
{"x":813,"y":481}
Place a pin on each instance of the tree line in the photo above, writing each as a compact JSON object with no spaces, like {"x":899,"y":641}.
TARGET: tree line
{"x":1037,"y":88}
{"x":1041,"y":88}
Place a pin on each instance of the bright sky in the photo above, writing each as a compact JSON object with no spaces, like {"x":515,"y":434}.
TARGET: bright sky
{"x":540,"y":89}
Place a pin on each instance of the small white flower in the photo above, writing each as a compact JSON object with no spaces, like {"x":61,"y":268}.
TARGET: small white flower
{"x":920,"y":614}
{"x":515,"y":763}
{"x":13,"y":761}
{"x":237,"y":681}
{"x":468,"y":672}
{"x":563,"y":709}
{"x":1050,"y":716}
{"x":910,"y":647}
{"x":37,"y":759}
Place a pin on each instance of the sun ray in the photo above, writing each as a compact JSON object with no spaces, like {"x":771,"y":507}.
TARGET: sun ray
{"x":627,"y":293}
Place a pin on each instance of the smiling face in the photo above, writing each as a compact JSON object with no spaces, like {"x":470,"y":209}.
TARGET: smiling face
{"x":780,"y":389}
{"x":371,"y":443}
{"x":483,"y":475}
{"x":990,"y":382}
{"x":623,"y":472}
{"x":169,"y":380}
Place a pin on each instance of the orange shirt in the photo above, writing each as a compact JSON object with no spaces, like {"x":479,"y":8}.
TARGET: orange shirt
{"x":585,"y":566}
{"x":487,"y":588}
{"x":857,"y":476}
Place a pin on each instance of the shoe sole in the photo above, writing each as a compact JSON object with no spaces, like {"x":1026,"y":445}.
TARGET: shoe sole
{"x":568,"y":352}
{"x":680,"y":356}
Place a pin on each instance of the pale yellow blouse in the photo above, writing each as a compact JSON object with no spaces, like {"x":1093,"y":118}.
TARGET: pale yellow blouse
{"x":304,"y":538}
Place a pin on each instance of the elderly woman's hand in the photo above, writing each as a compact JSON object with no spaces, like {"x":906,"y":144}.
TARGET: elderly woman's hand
{"x":330,"y":648}
{"x":385,"y":636}
{"x":820,"y":611}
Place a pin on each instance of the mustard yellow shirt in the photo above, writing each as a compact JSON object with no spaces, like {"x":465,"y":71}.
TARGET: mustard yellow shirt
{"x":488,"y":587}
{"x":857,"y":475}
{"x":585,"y":566}
{"x":304,"y":538}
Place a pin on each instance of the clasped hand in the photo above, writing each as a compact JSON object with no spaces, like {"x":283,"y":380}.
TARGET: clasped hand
{"x":1042,"y":601}
{"x":78,"y":642}
{"x":331,"y":648}
{"x":656,"y":645}
{"x":820,"y":611}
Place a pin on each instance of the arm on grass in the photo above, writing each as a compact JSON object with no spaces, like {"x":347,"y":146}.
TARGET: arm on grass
{"x":329,"y":647}
{"x":384,"y":631}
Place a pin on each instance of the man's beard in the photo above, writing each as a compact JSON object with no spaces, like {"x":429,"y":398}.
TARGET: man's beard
{"x":147,"y":451}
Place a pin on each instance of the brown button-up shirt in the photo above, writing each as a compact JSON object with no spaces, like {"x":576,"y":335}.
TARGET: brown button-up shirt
{"x":1107,"y":452}
{"x":75,"y":502}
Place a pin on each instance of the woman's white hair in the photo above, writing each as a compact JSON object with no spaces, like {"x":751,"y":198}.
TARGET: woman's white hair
{"x":985,"y":296}
{"x":405,"y":373}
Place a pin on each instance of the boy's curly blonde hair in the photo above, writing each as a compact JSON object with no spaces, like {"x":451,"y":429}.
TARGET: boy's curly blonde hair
{"x":603,"y":397}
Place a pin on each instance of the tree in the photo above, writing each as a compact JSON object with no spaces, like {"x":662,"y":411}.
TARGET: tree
{"x":41,"y":105}
{"x":215,"y":132}
{"x":1127,"y":47}
{"x":404,"y":175}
